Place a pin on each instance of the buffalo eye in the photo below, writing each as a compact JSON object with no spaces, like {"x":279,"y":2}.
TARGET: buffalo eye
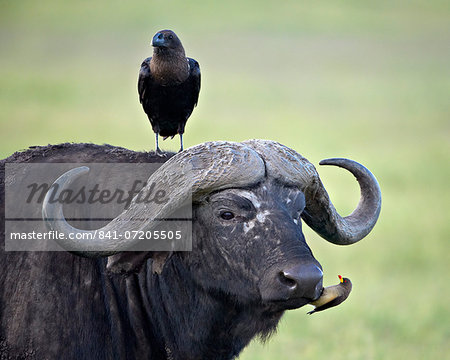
{"x":170,"y":37}
{"x":227,"y":215}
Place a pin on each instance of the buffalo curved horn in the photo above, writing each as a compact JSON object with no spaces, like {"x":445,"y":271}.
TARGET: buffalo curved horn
{"x":323,"y":218}
{"x":291,"y":168}
{"x":195,"y":171}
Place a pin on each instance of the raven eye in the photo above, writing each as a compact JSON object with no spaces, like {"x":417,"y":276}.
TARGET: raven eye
{"x":227,"y":215}
{"x":170,"y":37}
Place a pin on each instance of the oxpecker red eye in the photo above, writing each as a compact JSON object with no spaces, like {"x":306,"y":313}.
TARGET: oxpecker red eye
{"x":227,"y":215}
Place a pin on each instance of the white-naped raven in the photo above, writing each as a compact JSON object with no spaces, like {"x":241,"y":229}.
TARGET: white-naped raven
{"x":168,"y":86}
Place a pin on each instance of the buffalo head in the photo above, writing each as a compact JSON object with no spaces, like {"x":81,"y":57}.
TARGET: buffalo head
{"x":248,"y":201}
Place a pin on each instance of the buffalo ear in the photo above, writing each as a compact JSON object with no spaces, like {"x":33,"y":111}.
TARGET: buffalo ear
{"x":159,"y":259}
{"x":129,"y":262}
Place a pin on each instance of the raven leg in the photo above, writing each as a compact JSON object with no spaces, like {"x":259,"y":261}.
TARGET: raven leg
{"x":158,"y":150}
{"x":181,"y":143}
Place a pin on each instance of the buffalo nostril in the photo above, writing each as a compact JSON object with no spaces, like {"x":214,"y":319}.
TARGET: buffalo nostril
{"x":287,"y":280}
{"x":304,"y":280}
{"x":160,"y":36}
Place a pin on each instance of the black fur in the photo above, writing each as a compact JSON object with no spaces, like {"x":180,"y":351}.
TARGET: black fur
{"x":205,"y":304}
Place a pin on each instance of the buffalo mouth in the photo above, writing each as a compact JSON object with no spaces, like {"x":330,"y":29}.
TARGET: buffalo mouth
{"x":293,"y":302}
{"x":289,"y":304}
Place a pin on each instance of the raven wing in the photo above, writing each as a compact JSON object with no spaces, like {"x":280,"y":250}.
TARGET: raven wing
{"x":144,"y":81}
{"x":194,"y":80}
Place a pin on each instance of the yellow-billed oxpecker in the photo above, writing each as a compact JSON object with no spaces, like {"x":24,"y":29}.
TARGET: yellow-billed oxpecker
{"x":168,"y":86}
{"x":332,"y":295}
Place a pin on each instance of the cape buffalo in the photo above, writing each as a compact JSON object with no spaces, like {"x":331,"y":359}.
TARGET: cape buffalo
{"x":249,"y":260}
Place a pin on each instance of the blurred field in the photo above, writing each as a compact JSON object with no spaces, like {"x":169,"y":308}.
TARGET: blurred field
{"x":358,"y":79}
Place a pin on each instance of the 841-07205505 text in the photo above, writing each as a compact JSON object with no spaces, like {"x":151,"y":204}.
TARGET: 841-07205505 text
{"x":113,"y":235}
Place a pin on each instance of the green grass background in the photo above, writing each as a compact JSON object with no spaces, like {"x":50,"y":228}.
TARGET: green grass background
{"x":367,"y":80}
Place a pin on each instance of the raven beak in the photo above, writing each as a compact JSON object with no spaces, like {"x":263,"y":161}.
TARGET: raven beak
{"x":158,"y":40}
